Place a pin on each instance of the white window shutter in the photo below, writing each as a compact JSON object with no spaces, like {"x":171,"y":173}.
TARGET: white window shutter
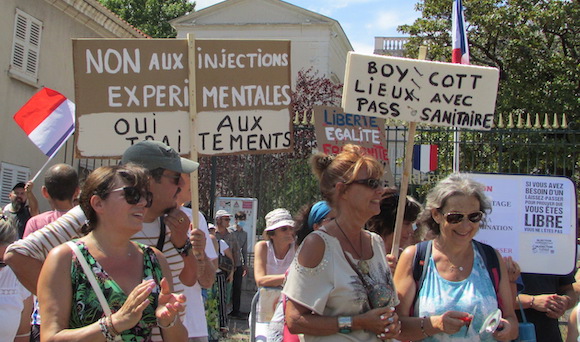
{"x":11,"y":174}
{"x":26,"y":46}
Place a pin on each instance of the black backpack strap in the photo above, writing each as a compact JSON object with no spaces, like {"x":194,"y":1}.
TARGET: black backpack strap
{"x":422,"y":255}
{"x":491,"y":262}
{"x":161,"y":240}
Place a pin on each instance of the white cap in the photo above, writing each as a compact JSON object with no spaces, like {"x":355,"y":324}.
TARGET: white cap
{"x":278,"y":218}
{"x":222,"y":213}
{"x":210,"y":226}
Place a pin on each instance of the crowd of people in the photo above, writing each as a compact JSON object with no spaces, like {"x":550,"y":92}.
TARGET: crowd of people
{"x":131,"y":263}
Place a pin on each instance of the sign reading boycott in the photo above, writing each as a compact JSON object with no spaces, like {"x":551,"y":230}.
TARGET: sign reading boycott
{"x":243,"y":96}
{"x":334,"y":128}
{"x":420,"y":91}
{"x":128,"y":90}
{"x":533,"y":220}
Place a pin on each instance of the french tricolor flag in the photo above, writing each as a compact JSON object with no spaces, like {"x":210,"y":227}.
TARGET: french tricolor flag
{"x":425,"y":157}
{"x":460,"y":52}
{"x":48,"y":119}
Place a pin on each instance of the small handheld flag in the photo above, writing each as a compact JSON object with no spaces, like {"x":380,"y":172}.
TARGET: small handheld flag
{"x":48,"y":119}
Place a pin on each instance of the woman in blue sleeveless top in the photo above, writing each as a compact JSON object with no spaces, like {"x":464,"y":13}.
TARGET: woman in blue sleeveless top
{"x":457,"y":294}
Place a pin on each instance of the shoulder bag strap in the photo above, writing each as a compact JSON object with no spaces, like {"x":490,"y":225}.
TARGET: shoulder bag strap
{"x":91,"y":277}
{"x":366,"y":285}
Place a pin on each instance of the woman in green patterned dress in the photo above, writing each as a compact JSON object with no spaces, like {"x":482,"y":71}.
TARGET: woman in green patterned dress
{"x":134,"y":278}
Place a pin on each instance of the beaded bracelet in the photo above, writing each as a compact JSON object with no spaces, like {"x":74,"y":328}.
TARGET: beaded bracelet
{"x":105,"y":330}
{"x":169,"y":325}
{"x":111,"y":326}
{"x":423,"y":326}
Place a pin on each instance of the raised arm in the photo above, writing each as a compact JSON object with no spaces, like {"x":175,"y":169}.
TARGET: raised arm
{"x":31,"y":199}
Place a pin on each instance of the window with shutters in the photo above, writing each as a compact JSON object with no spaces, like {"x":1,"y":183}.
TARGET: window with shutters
{"x":25,"y":47}
{"x":11,"y":174}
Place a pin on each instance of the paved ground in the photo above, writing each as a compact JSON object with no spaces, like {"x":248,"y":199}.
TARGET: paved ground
{"x":239,"y":328}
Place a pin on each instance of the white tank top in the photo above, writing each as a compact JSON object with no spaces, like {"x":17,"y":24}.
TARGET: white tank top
{"x":278,"y":266}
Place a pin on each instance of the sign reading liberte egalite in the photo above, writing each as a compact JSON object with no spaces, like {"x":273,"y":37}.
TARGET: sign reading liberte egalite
{"x":444,"y":94}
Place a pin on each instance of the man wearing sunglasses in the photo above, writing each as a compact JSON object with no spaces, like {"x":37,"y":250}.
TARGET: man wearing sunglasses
{"x":165,"y":225}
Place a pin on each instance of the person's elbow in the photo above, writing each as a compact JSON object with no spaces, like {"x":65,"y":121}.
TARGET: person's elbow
{"x":9,"y":258}
{"x":293,"y":322}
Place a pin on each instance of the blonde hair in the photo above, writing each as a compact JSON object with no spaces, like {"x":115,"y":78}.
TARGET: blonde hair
{"x":343,"y":167}
{"x":8,"y":231}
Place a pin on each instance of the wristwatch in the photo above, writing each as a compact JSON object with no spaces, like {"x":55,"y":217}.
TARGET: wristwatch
{"x":184,"y":251}
{"x":345,"y":324}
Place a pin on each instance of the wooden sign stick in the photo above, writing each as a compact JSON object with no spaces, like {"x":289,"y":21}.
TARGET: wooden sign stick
{"x":192,"y":130}
{"x":406,"y":176}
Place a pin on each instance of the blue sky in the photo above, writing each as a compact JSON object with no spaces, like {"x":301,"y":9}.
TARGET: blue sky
{"x":361,"y":20}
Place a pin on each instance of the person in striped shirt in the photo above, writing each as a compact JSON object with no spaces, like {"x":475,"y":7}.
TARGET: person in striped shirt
{"x":165,"y":225}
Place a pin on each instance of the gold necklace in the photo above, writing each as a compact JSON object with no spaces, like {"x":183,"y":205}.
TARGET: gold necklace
{"x":362,"y":264}
{"x":452,"y":266}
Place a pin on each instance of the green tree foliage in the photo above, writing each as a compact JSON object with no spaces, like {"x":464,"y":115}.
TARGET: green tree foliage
{"x":150,"y":16}
{"x":534,"y":43}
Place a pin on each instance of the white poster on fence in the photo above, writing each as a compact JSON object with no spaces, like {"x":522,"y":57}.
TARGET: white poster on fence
{"x":249,"y":206}
{"x":444,"y":94}
{"x":533,"y":220}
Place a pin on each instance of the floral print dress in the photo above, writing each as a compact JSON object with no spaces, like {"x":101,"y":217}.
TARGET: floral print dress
{"x":86,"y":308}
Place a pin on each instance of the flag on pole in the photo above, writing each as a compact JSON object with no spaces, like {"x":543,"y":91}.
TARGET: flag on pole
{"x":425,"y":157}
{"x":48,"y":119}
{"x":460,"y":53}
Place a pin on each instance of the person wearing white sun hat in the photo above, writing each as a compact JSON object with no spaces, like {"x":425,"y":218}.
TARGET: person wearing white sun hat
{"x":272,"y":258}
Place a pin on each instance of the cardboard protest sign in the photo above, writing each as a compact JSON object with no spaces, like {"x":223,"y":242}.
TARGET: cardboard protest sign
{"x":444,"y":94}
{"x":533,"y":220}
{"x":243,"y":96}
{"x":128,"y":90}
{"x":334,"y":128}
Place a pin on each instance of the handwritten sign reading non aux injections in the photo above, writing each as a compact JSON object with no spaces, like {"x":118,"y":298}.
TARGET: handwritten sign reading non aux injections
{"x":243,"y":96}
{"x":427,"y":92}
{"x":128,"y":90}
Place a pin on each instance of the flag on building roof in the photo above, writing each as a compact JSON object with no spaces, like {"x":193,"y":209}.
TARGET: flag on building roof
{"x":460,"y":53}
{"x":48,"y":119}
{"x":425,"y":157}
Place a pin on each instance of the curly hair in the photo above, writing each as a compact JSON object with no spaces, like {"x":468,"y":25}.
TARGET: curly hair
{"x":384,"y":223}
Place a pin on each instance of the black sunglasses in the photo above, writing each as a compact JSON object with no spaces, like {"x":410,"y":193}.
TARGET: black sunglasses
{"x":133,"y":195}
{"x":455,"y":218}
{"x":372,"y":183}
{"x":2,"y":264}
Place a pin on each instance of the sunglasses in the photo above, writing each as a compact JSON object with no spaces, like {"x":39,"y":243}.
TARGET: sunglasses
{"x":133,"y":195}
{"x":372,"y":183}
{"x":455,"y":218}
{"x":2,"y":264}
